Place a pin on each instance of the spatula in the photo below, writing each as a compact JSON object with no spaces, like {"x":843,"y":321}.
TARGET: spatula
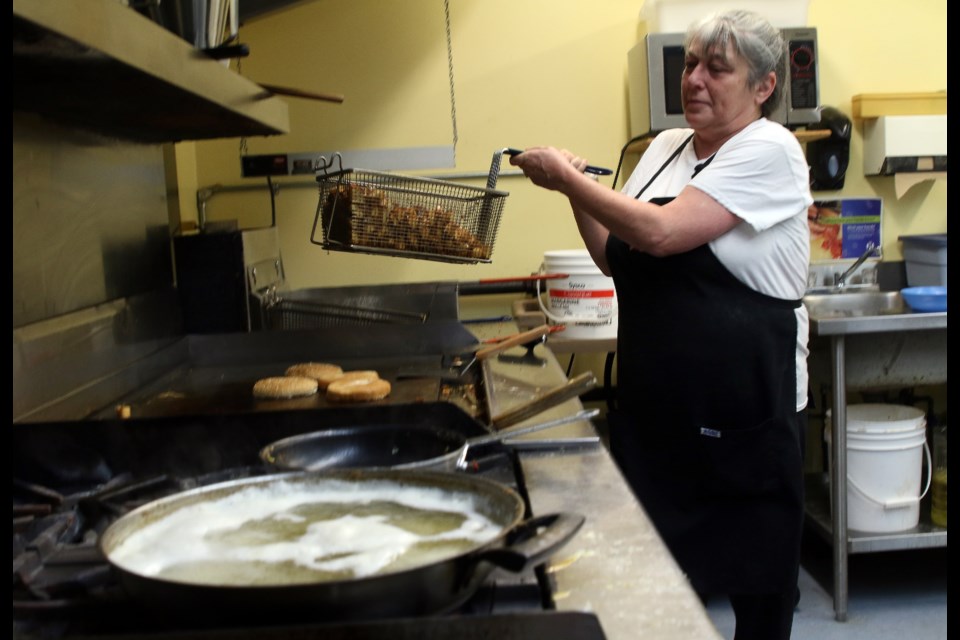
{"x":459,"y":367}
{"x":460,"y":363}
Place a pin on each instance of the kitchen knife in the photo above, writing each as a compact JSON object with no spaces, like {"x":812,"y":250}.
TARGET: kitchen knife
{"x":599,"y":171}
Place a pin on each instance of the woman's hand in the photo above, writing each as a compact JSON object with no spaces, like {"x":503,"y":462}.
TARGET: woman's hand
{"x":549,"y":167}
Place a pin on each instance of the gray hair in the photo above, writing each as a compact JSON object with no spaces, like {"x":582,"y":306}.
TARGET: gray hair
{"x":753,"y":38}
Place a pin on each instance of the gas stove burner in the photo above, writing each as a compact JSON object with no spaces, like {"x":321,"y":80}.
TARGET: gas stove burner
{"x":64,"y":587}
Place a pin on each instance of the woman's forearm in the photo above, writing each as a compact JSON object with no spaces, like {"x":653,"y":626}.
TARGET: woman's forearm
{"x":594,"y":237}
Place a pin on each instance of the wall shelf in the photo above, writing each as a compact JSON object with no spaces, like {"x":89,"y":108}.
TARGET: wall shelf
{"x":875,"y":105}
{"x":100,"y":66}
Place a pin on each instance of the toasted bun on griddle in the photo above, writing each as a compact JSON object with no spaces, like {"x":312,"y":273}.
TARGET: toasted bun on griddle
{"x":284,"y":387}
{"x":357,"y":389}
{"x":323,"y":372}
{"x":365,"y":375}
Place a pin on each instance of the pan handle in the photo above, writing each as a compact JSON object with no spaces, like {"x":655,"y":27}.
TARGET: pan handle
{"x":498,"y":436}
{"x":462,"y":463}
{"x":534,"y":540}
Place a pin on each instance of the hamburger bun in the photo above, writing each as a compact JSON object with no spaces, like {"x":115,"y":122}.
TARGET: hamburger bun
{"x":284,"y":387}
{"x":324,"y":373}
{"x":357,"y":389}
{"x":365,"y":375}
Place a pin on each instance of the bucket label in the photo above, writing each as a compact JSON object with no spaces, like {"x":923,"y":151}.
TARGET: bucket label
{"x":598,"y":303}
{"x":567,"y":293}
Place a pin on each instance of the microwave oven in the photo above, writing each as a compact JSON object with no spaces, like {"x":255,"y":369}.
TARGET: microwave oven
{"x":655,"y":67}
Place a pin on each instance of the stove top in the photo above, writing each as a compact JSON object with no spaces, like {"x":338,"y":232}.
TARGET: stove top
{"x":71,"y":480}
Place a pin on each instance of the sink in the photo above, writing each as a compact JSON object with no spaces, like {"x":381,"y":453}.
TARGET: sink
{"x":855,"y":304}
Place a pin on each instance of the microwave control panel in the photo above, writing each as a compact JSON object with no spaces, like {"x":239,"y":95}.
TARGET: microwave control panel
{"x":801,"y":100}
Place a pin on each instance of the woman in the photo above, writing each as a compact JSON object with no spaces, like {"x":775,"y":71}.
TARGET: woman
{"x":709,"y":251}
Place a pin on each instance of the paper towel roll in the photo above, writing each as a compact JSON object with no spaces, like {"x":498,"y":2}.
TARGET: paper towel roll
{"x":903,"y":181}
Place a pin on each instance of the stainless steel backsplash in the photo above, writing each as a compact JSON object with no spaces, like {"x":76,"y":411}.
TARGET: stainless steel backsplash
{"x":93,"y":285}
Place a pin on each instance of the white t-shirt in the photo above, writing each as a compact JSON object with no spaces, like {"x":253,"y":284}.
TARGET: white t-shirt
{"x":761,"y":176}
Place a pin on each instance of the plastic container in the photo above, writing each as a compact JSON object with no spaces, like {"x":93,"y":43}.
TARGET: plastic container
{"x":885,"y":452}
{"x":585,"y":301}
{"x":926,"y":259}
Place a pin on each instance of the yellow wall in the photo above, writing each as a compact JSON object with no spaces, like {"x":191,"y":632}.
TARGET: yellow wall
{"x":526,"y":73}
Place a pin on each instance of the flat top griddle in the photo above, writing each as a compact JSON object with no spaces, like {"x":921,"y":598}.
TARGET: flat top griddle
{"x":206,"y":390}
{"x":218,"y":371}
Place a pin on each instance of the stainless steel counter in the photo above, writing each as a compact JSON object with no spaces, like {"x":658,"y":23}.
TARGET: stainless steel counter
{"x":616,"y":567}
{"x":847,"y":325}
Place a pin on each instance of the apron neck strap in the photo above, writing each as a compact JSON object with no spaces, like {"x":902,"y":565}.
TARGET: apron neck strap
{"x":672,"y":157}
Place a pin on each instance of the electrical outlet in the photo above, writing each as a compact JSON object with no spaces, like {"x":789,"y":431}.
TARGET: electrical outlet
{"x":265,"y":165}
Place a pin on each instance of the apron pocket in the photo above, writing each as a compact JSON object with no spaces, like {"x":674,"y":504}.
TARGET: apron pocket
{"x":740,"y":463}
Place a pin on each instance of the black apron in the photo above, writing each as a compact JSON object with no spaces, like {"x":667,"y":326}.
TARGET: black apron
{"x":704,"y":429}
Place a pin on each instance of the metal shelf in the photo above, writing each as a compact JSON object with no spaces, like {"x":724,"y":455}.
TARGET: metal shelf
{"x":100,"y":66}
{"x":831,"y":520}
{"x":924,"y":536}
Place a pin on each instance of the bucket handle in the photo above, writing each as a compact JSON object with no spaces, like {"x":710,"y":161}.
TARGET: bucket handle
{"x":898,"y":503}
{"x":555,"y":318}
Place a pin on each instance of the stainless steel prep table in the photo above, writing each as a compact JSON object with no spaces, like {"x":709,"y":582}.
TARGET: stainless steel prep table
{"x":616,"y":567}
{"x":875,"y":331}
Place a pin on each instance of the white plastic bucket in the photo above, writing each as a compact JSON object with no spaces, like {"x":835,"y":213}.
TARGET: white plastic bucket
{"x":585,"y":301}
{"x":885,"y":450}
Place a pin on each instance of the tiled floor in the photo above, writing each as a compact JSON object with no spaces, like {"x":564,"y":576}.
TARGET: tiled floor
{"x":896,"y":595}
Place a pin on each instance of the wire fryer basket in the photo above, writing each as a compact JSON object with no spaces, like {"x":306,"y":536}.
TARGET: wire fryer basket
{"x":382,"y":213}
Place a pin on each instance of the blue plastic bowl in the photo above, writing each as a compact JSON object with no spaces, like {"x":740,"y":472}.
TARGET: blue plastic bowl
{"x":925,"y":298}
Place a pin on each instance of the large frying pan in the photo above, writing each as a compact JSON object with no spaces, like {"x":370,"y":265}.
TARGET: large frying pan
{"x":438,"y":584}
{"x":414,"y":446}
{"x":389,"y":447}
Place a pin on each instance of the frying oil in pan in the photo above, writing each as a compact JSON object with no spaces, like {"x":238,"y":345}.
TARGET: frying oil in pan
{"x":297,"y":534}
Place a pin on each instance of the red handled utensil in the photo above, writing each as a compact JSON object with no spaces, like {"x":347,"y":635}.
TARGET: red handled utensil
{"x":460,"y":362}
{"x":532,"y":278}
{"x":553,"y":329}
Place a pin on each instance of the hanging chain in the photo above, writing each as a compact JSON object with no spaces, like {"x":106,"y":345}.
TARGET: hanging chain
{"x":453,"y":100}
{"x":243,"y":139}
